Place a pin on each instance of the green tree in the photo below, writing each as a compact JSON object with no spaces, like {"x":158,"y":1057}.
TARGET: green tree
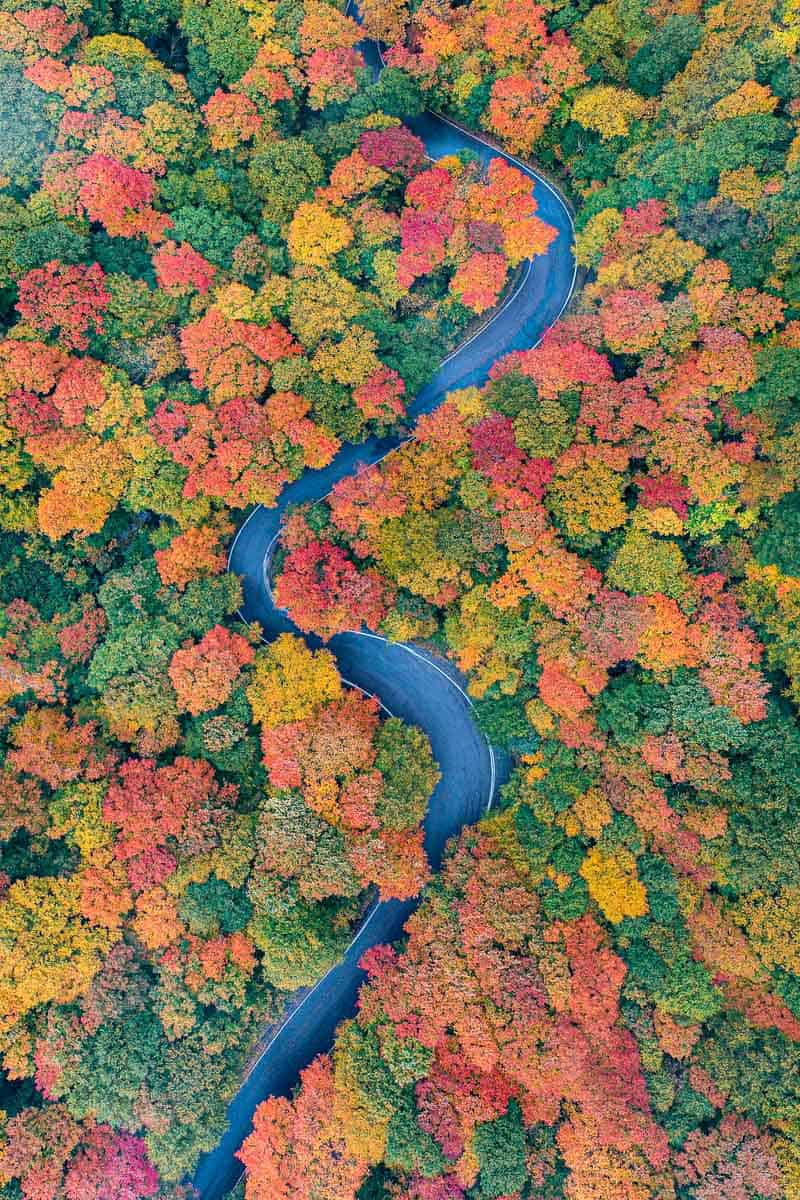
{"x":221,"y":44}
{"x":149,"y":20}
{"x":215,"y":234}
{"x":500,"y":1149}
{"x":283,"y":174}
{"x":406,"y":762}
{"x":409,"y":1148}
{"x":665,"y":53}
{"x":214,"y":907}
{"x":26,"y":129}
{"x":299,"y":939}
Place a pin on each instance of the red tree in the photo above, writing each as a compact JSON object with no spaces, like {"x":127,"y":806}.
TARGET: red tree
{"x":204,"y":673}
{"x":66,"y":299}
{"x":324,"y":592}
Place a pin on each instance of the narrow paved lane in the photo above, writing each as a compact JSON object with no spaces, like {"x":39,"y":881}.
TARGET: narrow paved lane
{"x":415,"y":686}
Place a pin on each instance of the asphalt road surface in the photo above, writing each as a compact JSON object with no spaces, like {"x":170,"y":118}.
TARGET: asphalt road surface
{"x":411,"y":684}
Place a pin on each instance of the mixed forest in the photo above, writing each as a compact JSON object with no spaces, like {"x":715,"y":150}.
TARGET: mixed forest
{"x":222,"y":256}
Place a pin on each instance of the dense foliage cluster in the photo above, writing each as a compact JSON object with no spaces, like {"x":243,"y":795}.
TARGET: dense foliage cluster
{"x":253,"y":283}
{"x":493,"y":64}
{"x":221,"y":256}
{"x":601,"y":994}
{"x":155,"y":909}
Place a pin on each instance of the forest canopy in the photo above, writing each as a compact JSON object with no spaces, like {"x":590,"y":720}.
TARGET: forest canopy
{"x":223,"y":256}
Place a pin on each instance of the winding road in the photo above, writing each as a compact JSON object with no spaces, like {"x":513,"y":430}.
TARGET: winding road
{"x":410,"y":683}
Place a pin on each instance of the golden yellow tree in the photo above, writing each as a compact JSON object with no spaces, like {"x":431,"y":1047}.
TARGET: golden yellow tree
{"x":290,"y":682}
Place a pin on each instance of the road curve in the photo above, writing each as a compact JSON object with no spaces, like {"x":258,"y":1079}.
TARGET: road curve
{"x":410,"y":683}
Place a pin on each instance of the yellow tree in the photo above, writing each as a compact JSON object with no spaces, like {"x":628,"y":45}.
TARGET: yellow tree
{"x":322,"y":303}
{"x":384,"y":20}
{"x":608,"y":110}
{"x":316,"y":234}
{"x":351,"y":361}
{"x":613,"y":884}
{"x":291,"y":682}
{"x":48,"y":951}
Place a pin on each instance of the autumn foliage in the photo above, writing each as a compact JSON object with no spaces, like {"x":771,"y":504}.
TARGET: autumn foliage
{"x":223,"y":257}
{"x":329,"y":746}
